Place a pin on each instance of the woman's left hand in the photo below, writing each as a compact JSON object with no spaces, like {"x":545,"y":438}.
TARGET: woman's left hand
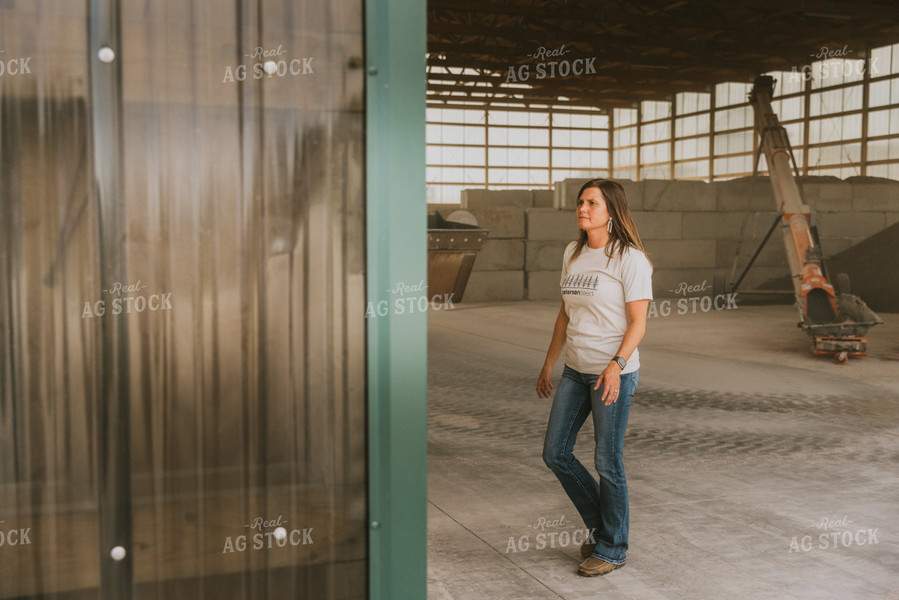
{"x":610,"y":379}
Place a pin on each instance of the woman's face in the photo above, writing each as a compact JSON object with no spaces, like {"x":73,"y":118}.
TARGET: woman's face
{"x":591,"y":210}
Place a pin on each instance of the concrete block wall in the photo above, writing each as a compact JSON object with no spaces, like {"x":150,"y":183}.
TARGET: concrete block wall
{"x":691,"y":229}
{"x":500,"y":270}
{"x":480,"y":198}
{"x":549,"y":231}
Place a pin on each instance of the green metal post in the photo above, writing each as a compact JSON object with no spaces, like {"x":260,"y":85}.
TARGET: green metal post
{"x":397,"y":327}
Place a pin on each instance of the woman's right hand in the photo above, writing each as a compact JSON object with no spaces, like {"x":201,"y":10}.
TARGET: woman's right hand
{"x":544,"y":382}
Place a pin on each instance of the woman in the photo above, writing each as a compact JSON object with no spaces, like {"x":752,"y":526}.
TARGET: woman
{"x":606,"y":289}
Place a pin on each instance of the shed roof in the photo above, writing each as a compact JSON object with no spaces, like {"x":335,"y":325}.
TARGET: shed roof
{"x":634,"y":50}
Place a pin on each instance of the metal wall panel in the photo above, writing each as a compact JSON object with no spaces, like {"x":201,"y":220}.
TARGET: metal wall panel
{"x":192,"y":336}
{"x":397,"y":255}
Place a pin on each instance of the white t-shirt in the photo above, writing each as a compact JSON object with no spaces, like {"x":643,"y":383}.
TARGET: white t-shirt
{"x":594,"y":289}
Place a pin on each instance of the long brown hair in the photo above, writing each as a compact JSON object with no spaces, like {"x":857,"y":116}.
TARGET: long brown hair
{"x":624,"y":231}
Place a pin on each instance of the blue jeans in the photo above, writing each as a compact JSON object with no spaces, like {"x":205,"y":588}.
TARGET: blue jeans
{"x":602,"y":505}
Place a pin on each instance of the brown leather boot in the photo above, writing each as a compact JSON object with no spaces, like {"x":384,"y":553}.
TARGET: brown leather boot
{"x":596,"y":566}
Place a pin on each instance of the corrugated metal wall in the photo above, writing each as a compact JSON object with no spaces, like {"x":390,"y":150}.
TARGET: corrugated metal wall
{"x":236,"y":297}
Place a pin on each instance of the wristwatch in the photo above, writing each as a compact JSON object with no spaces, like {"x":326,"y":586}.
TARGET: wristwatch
{"x":621,"y":362}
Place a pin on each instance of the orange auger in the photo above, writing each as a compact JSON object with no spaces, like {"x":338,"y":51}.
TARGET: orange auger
{"x":834,"y":319}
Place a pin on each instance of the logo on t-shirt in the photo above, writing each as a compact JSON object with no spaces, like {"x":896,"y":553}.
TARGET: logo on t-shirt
{"x":579,"y":284}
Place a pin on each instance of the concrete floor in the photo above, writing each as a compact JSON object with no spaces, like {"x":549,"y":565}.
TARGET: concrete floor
{"x":755,"y":470}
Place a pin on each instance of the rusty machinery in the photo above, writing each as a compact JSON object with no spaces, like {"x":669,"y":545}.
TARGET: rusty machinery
{"x":835,"y":320}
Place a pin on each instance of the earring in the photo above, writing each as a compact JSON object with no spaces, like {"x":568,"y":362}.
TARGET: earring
{"x":609,"y":227}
